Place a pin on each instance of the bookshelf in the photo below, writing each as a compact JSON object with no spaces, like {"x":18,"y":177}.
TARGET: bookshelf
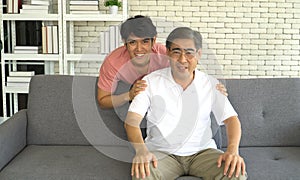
{"x":65,"y":58}
{"x":11,"y":60}
{"x":68,"y":21}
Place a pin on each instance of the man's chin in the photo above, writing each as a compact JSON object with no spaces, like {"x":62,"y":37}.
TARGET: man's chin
{"x":141,"y":60}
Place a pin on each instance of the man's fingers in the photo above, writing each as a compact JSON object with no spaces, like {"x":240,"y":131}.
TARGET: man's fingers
{"x":132,"y":169}
{"x":220,"y":160}
{"x":154,"y":161}
{"x":142,"y":170}
{"x":243,"y":168}
{"x":136,"y":170}
{"x":232,"y":167}
{"x":226,"y":166}
{"x":238,"y":169}
{"x":147,"y":169}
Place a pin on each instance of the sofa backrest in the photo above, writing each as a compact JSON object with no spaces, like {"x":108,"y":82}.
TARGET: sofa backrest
{"x":269,"y":110}
{"x":64,"y":110}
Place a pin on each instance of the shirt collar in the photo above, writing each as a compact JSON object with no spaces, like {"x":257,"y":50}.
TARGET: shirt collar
{"x":173,"y":84}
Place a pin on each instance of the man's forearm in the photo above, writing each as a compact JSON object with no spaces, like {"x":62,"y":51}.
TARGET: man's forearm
{"x":135,"y":137}
{"x":233,"y":129}
{"x":111,"y":101}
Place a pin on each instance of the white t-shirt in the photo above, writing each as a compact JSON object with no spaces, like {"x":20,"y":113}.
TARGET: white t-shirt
{"x":178,"y":121}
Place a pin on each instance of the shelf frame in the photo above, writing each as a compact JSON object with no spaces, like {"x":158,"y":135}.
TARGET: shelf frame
{"x":12,"y":60}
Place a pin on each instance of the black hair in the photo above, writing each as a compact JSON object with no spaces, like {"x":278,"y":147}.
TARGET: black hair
{"x":140,"y":26}
{"x":184,"y":33}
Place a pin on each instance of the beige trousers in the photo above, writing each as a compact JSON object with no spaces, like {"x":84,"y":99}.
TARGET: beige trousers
{"x":202,"y":164}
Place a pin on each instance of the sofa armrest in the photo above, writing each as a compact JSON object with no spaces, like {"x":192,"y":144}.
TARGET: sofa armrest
{"x":12,"y":136}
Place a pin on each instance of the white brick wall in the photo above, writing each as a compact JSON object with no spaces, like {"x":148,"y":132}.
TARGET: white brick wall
{"x":242,"y":38}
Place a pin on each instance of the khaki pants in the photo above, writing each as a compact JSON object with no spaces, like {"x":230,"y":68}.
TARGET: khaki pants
{"x":202,"y":164}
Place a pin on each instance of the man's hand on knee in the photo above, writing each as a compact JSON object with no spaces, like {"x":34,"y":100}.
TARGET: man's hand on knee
{"x":233,"y":163}
{"x":141,"y":164}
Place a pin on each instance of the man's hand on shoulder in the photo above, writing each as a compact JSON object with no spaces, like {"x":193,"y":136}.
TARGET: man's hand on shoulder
{"x":136,"y":88}
{"x":222,"y":89}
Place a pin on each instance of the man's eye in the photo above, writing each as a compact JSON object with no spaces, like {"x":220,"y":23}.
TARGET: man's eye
{"x":176,"y":52}
{"x":145,"y":41}
{"x":131,"y":42}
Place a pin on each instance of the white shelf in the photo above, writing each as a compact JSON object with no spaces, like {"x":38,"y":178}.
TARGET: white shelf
{"x":3,"y":119}
{"x":10,"y":61}
{"x":31,"y":17}
{"x":86,"y":57}
{"x":66,"y":31}
{"x":93,"y":17}
{"x":17,"y":89}
{"x":26,"y":57}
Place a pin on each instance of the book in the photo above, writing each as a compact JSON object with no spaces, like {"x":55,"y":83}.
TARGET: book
{"x":40,"y":2}
{"x":27,"y":51}
{"x":117,"y":36}
{"x":102,"y":43}
{"x":27,"y":47}
{"x":84,"y":12}
{"x":85,"y":8}
{"x":18,"y":79}
{"x":44,"y":40}
{"x":34,"y":11}
{"x":17,"y":84}
{"x":33,"y":6}
{"x":106,"y":42}
{"x":112,"y":38}
{"x":13,"y":6}
{"x":28,"y":33}
{"x":49,"y":40}
{"x":21,"y":73}
{"x":10,"y":6}
{"x":84,"y":2}
{"x":55,"y":39}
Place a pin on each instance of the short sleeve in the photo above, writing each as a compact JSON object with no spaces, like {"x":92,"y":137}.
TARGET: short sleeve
{"x":221,"y":107}
{"x":141,"y":103}
{"x":107,"y":76}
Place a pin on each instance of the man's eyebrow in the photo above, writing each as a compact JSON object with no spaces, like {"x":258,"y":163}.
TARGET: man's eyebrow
{"x":130,"y":39}
{"x":187,"y":49}
{"x":175,"y":49}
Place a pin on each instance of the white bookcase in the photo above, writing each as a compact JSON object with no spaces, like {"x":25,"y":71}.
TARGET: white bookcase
{"x":66,"y":56}
{"x":68,"y":21}
{"x":12,"y":60}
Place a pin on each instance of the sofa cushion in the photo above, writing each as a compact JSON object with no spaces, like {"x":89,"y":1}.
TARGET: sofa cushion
{"x":51,"y":118}
{"x":64,"y":110}
{"x":274,"y":163}
{"x":65,"y":163}
{"x":268,"y":110}
{"x":70,"y":163}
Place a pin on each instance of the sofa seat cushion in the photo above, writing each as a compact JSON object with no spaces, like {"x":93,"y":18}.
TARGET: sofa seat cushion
{"x":64,"y":162}
{"x":274,"y":163}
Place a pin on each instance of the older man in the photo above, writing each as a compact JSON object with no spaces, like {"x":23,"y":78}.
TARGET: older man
{"x":178,"y":101}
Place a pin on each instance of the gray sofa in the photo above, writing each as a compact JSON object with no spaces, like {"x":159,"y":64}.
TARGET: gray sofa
{"x":52,"y":138}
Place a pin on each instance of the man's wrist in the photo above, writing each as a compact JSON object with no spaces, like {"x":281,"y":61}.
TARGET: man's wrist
{"x":127,"y":97}
{"x":141,"y":149}
{"x":232,"y":148}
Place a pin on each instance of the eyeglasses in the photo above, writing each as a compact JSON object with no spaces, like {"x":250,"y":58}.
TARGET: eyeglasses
{"x":187,"y":53}
{"x":146,"y":41}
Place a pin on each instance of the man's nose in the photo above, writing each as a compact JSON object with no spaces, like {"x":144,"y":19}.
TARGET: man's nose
{"x":182,"y":58}
{"x":138,"y":46}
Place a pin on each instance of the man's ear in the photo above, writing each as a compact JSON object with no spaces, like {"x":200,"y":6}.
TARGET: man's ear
{"x":124,"y":42}
{"x":199,"y":53}
{"x":154,"y":40}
